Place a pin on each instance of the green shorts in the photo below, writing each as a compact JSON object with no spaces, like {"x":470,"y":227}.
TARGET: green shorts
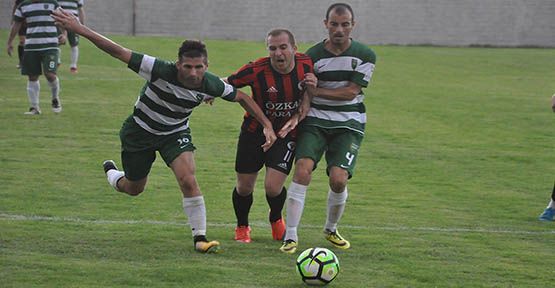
{"x":34,"y":62}
{"x":138,"y":148}
{"x":72,"y":38}
{"x":340,"y":145}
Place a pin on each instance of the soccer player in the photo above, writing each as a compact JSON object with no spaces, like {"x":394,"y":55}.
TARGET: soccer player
{"x":278,"y":85}
{"x":41,"y":49}
{"x":76,"y":7}
{"x":334,"y":124}
{"x":549,"y":212}
{"x":160,"y":120}
{"x":21,"y":34}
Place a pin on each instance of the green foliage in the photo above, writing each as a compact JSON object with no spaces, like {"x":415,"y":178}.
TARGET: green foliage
{"x":456,"y":165}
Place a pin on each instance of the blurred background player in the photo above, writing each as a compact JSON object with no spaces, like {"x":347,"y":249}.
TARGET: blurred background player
{"x":77,"y":8}
{"x":549,"y":212}
{"x":278,"y":85}
{"x":21,"y":34}
{"x":160,"y":120}
{"x":334,"y":125}
{"x":41,"y":49}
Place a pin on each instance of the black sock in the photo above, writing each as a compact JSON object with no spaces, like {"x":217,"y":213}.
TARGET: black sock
{"x":276,"y":205}
{"x":553,"y":193}
{"x":20,"y":53}
{"x":242,"y":206}
{"x":199,"y":238}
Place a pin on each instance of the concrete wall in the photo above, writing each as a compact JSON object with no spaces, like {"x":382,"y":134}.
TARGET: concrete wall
{"x":404,"y":22}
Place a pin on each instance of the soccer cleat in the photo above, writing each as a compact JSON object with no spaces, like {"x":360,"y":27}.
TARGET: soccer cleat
{"x":289,"y":246}
{"x":33,"y":111}
{"x":547,"y":214}
{"x":113,"y":175}
{"x":278,"y":229}
{"x":207,"y":247}
{"x":56,"y":105}
{"x":73,"y":70}
{"x":335,"y":238}
{"x":243,"y":234}
{"x":109,"y":165}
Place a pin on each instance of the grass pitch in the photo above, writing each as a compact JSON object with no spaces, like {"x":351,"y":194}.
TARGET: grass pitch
{"x":456,"y":165}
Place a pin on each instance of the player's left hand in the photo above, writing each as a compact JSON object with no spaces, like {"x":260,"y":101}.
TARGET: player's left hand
{"x":65,"y":19}
{"x":270,"y":138}
{"x":62,"y":39}
{"x":289,"y":126}
{"x":553,"y":102}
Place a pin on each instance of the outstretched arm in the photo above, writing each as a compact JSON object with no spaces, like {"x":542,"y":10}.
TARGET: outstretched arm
{"x":553,"y":102}
{"x":250,"y":106}
{"x":67,"y":20}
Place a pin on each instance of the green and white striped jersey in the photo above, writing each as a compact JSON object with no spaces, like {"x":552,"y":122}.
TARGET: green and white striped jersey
{"x":71,"y":5}
{"x":355,"y":65}
{"x":164,"y":105}
{"x":42,"y":34}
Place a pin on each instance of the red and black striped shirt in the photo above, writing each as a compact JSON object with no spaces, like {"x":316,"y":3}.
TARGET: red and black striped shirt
{"x":278,"y":95}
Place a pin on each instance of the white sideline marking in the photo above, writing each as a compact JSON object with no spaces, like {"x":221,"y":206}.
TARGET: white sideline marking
{"x":263,"y":224}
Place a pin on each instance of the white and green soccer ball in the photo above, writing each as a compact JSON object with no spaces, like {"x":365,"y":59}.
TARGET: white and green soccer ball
{"x":317,"y":266}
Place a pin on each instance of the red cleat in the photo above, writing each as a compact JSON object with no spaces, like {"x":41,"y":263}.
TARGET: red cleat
{"x":243,"y":234}
{"x":278,"y":229}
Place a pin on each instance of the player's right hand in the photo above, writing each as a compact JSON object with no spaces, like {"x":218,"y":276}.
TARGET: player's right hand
{"x":9,"y":48}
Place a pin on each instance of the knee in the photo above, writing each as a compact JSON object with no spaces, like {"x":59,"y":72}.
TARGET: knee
{"x":272,"y":189}
{"x":188,"y":185}
{"x":135,"y":191}
{"x":338,"y":183}
{"x":303,"y":171}
{"x":244,"y":189}
{"x":50,"y":77}
{"x":132,"y":188}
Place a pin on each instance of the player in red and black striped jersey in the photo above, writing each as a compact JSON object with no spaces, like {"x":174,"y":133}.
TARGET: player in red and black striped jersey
{"x":279,"y":84}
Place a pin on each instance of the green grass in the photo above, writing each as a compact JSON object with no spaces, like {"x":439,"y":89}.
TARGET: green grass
{"x":456,"y":165}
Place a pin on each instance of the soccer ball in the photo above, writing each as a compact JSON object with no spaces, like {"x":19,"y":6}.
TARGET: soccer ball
{"x":317,"y":266}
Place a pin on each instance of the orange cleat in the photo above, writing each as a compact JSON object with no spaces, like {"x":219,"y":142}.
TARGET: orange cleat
{"x":243,"y":234}
{"x":278,"y":229}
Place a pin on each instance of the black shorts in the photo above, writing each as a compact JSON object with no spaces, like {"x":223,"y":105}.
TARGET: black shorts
{"x":250,"y":158}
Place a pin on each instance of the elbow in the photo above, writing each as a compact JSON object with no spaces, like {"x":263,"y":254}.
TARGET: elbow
{"x":352,"y":93}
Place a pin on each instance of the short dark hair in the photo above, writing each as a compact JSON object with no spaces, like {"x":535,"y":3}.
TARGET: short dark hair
{"x":192,"y":49}
{"x":278,"y":31}
{"x":340,"y":8}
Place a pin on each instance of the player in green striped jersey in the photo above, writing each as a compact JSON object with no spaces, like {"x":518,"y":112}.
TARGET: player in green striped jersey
{"x":161,"y":117}
{"x":41,"y":49}
{"x":334,"y":125}
{"x":77,"y":8}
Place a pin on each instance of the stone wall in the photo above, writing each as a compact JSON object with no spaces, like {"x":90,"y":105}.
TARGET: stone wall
{"x":403,"y":22}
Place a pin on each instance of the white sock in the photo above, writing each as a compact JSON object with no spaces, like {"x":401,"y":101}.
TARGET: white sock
{"x":113,"y":176}
{"x":196,"y":212}
{"x":74,"y":56}
{"x":33,"y":91}
{"x":295,"y":206}
{"x":551,"y":204}
{"x":336,"y":206}
{"x":55,"y":88}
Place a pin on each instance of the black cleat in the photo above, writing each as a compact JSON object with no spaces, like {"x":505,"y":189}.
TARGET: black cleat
{"x":109,"y":165}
